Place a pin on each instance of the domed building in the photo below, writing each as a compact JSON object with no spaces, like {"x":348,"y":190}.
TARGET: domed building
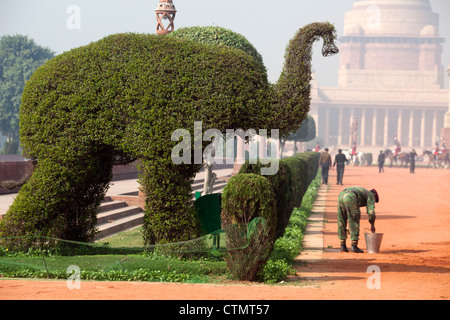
{"x":391,"y":79}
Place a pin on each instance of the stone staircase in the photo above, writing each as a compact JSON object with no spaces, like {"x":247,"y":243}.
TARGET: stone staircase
{"x":116,"y":216}
{"x":218,"y":185}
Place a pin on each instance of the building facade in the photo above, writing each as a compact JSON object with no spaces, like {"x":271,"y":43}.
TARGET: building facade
{"x":390,"y":80}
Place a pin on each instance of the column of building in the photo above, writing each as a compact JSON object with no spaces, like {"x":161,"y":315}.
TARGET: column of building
{"x":378,"y":135}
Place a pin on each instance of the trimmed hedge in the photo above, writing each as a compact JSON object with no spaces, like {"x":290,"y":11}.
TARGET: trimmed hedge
{"x":249,"y":195}
{"x":246,"y":197}
{"x":289,"y":183}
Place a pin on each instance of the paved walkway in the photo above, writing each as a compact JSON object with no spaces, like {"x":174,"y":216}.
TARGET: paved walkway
{"x":313,"y":245}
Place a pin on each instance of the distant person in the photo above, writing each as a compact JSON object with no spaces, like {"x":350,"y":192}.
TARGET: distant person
{"x":381,"y":160}
{"x":436,"y":152}
{"x":349,"y":202}
{"x":354,"y":150}
{"x":339,"y":161}
{"x":317,"y":148}
{"x":397,"y":150}
{"x":412,"y":161}
{"x":325,"y":164}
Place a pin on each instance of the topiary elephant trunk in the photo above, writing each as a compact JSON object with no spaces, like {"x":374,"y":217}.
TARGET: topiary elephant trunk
{"x":293,"y":87}
{"x":123,"y":97}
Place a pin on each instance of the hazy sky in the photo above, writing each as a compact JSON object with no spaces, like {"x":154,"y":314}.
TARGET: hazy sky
{"x":267,"y":24}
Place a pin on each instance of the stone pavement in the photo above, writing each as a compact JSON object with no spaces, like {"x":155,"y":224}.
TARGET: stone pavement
{"x":313,"y":245}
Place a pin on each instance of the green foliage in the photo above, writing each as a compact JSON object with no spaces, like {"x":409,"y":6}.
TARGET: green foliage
{"x":107,"y":267}
{"x":10,"y":147}
{"x":287,"y":247}
{"x":219,"y":36}
{"x":246,"y":198}
{"x":306,"y":132}
{"x":293,"y":87}
{"x":289,"y":183}
{"x":276,"y":271}
{"x":19,"y":58}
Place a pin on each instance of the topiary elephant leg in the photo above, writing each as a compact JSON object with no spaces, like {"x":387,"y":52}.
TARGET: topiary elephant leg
{"x":60,"y":200}
{"x":169,"y":212}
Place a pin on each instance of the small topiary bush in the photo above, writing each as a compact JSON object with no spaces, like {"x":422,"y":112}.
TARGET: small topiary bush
{"x":245,"y":199}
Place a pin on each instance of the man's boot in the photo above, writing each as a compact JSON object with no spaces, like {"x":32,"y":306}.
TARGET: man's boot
{"x":343,"y":246}
{"x":355,"y":248}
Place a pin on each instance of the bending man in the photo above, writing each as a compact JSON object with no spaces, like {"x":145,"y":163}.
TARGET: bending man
{"x":350,"y":200}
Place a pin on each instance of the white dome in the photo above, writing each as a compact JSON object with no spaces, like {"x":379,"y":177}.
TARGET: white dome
{"x":392,"y":17}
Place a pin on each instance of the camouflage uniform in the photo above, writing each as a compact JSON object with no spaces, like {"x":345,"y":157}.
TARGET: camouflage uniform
{"x":350,"y":200}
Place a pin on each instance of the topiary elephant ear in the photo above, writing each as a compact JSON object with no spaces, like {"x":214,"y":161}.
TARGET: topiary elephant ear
{"x":219,"y":36}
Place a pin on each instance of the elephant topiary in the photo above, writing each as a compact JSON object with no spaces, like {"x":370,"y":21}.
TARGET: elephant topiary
{"x":119,"y":99}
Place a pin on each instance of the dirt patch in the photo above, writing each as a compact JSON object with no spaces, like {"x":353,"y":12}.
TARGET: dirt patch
{"x":414,"y":262}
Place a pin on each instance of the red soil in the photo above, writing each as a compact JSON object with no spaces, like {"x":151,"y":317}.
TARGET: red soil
{"x":414,"y":262}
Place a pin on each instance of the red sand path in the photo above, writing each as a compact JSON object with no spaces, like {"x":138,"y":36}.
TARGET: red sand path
{"x":413,"y":214}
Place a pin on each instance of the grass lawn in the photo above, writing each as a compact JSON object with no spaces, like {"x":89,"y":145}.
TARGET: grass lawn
{"x":130,"y":238}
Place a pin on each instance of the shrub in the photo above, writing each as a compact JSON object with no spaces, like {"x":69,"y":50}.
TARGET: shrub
{"x":287,"y":248}
{"x":289,"y":183}
{"x":276,"y":271}
{"x":245,"y":199}
{"x":122,"y":98}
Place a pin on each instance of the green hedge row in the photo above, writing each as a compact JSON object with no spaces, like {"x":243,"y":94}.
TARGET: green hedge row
{"x":249,"y":195}
{"x":289,"y":184}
